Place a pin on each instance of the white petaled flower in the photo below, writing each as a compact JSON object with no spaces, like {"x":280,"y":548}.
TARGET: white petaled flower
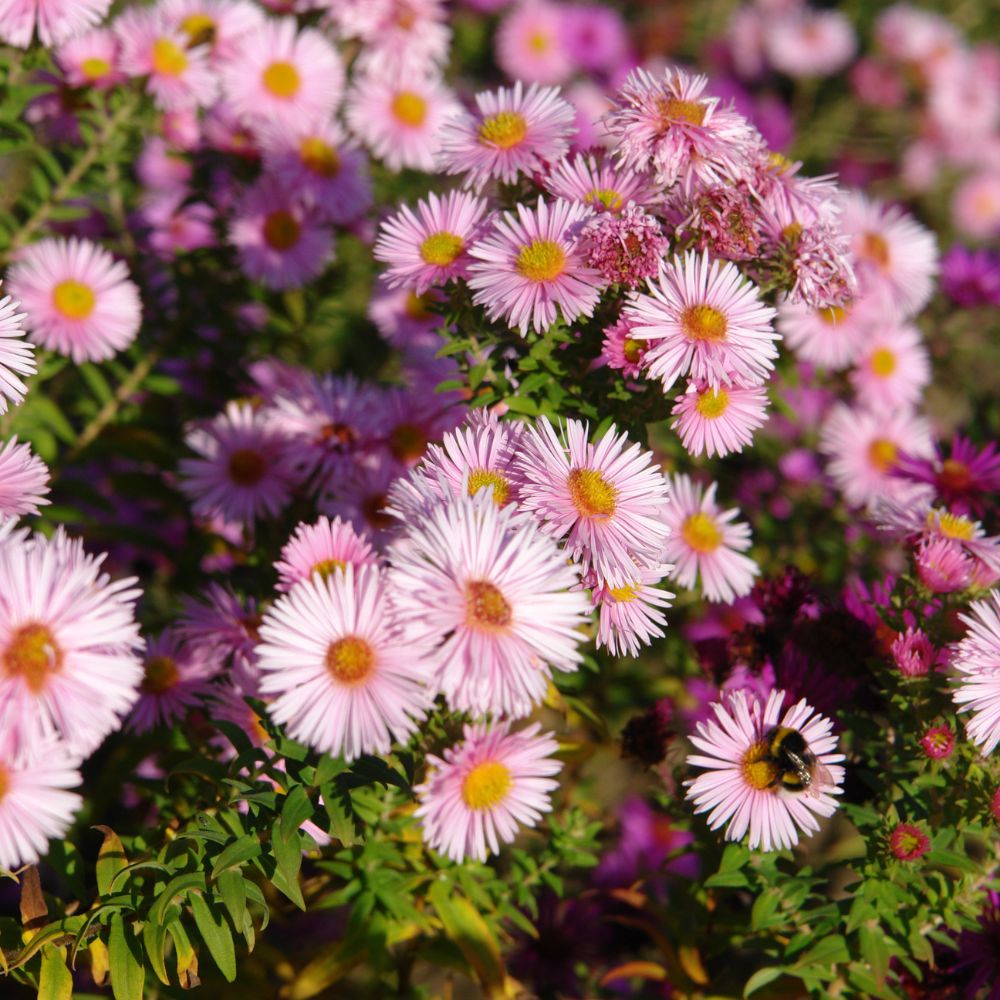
{"x":977,"y":663}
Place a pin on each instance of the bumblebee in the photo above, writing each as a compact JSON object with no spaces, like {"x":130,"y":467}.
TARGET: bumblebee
{"x":795,"y":765}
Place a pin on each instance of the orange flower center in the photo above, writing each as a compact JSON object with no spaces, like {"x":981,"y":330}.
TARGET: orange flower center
{"x":350,"y":660}
{"x":407,"y":442}
{"x":161,"y":675}
{"x":673,"y":109}
{"x":246,"y":467}
{"x":875,"y":249}
{"x":32,"y":654}
{"x":701,"y":533}
{"x":441,"y":249}
{"x":281,"y":230}
{"x":541,"y":260}
{"x":168,"y":58}
{"x":319,"y":156}
{"x":592,"y":495}
{"x":882,"y":362}
{"x":485,"y":606}
{"x":74,"y":299}
{"x":409,"y":109}
{"x":832,"y":314}
{"x":282,"y":80}
{"x":486,"y":785}
{"x":326,"y":567}
{"x":882,"y":454}
{"x":633,"y":350}
{"x":758,"y":770}
{"x":704,"y":323}
{"x":504,"y":130}
{"x":199,"y":28}
{"x":955,"y":475}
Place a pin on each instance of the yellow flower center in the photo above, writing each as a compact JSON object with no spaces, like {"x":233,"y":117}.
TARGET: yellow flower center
{"x":792,"y":233}
{"x":282,"y":80}
{"x":441,"y":249}
{"x":485,"y":606}
{"x":882,"y":454}
{"x":758,"y":771}
{"x":882,"y":362}
{"x":953,"y":525}
{"x":319,"y":156}
{"x":32,"y":654}
{"x":633,"y":350}
{"x":161,"y":675}
{"x":704,"y":323}
{"x":417,"y":306}
{"x":779,"y":163}
{"x":607,"y":197}
{"x":74,"y":299}
{"x":486,"y":785}
{"x":539,"y":43}
{"x":592,"y":495}
{"x":94,"y":68}
{"x":407,"y":442}
{"x":281,"y":230}
{"x":504,"y":130}
{"x":327,"y":567}
{"x":832,"y":314}
{"x":875,"y":249}
{"x":673,"y":109}
{"x":199,"y":28}
{"x":246,"y":467}
{"x":168,"y":58}
{"x":701,"y":533}
{"x":409,"y":109}
{"x":712,"y":403}
{"x":626,"y":593}
{"x":541,"y":260}
{"x":4,"y":782}
{"x":482,"y":478}
{"x":350,"y":660}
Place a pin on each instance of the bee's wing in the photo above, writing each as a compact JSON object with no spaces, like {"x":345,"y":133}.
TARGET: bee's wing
{"x":822,"y":780}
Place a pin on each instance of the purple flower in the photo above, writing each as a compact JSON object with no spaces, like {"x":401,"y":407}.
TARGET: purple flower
{"x":971,"y":277}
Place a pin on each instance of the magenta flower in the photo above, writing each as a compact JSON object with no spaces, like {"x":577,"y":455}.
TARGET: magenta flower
{"x":938,"y":742}
{"x":913,"y":653}
{"x":908,"y":842}
{"x":626,"y":248}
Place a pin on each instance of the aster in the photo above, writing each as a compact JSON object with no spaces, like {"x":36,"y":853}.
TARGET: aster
{"x":55,"y":21}
{"x":221,"y":25}
{"x":971,"y":278}
{"x":830,"y":336}
{"x":600,"y":183}
{"x":91,"y":59}
{"x":399,"y":35}
{"x":490,"y":596}
{"x":964,"y":479}
{"x":718,"y":420}
{"x":976,"y":663}
{"x":704,"y":319}
{"x":621,"y":351}
{"x":529,"y":43}
{"x":16,"y":354}
{"x":321,"y":549}
{"x":483,"y":789}
{"x":24,"y":480}
{"x":722,"y":219}
{"x":908,"y":842}
{"x":625,"y":248}
{"x":226,"y":628}
{"x":892,"y":368}
{"x":738,"y":788}
{"x":607,"y":500}
{"x":631,"y":616}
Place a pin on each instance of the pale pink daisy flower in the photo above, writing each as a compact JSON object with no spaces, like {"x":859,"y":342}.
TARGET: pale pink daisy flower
{"x":607,"y":500}
{"x":864,"y":449}
{"x":623,"y":352}
{"x":706,"y":320}
{"x":177,"y":76}
{"x":485,"y":788}
{"x":315,"y":160}
{"x":68,"y":641}
{"x":281,"y":242}
{"x":16,"y":354}
{"x":600,"y":183}
{"x":977,"y":662}
{"x":531,"y":263}
{"x":281,"y":72}
{"x":177,"y":676}
{"x":894,"y":256}
{"x":707,"y":542}
{"x":489,"y":596}
{"x":346,"y":681}
{"x":667,"y":126}
{"x":244,"y":469}
{"x":24,"y":480}
{"x":56,"y":21}
{"x":810,"y":43}
{"x":78,"y":300}
{"x":321,"y":549}
{"x":410,"y":36}
{"x":430,"y":246}
{"x":718,"y":420}
{"x":891,"y":368}
{"x":630,"y":616}
{"x":975,"y":205}
{"x":514,"y":131}
{"x":741,"y":786}
{"x":91,"y":60}
{"x":222,"y":25}
{"x":401,"y":118}
{"x":529,"y":43}
{"x":830,"y":337}
{"x":35,"y":806}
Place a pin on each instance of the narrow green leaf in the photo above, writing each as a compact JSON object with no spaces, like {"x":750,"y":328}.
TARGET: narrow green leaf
{"x":154,"y":938}
{"x":127,"y":972}
{"x":232,"y":887}
{"x":239,"y":851}
{"x":55,"y":981}
{"x":215,"y":932}
{"x":111,"y":859}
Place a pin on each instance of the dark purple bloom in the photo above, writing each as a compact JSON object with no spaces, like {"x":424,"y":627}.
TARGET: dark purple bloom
{"x":961,"y":479}
{"x":971,"y":277}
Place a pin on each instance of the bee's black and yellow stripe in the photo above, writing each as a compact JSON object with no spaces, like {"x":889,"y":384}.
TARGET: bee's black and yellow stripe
{"x":793,"y":760}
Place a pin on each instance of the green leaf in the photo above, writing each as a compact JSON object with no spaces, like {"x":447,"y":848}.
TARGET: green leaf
{"x":830,"y":950}
{"x":232,"y":887}
{"x":44,"y":409}
{"x":464,"y":925}
{"x":295,"y":810}
{"x":127,"y":972}
{"x":875,"y":950}
{"x":761,"y":978}
{"x":96,"y":382}
{"x":154,"y":938}
{"x":111,"y":859}
{"x":55,"y":981}
{"x":215,"y":932}
{"x":239,"y":851}
{"x":174,"y":888}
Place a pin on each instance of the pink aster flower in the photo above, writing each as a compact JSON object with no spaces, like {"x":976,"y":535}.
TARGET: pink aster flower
{"x":892,"y":368}
{"x":595,"y":37}
{"x":529,"y":43}
{"x":626,"y":248}
{"x":485,"y":788}
{"x":943,"y":566}
{"x":225,"y":630}
{"x":177,"y":676}
{"x":321,"y":165}
{"x":894,"y":256}
{"x":400,"y":35}
{"x":177,"y":76}
{"x":977,"y":663}
{"x":741,"y":785}
{"x":514,"y":131}
{"x":56,"y":21}
{"x":222,"y":25}
{"x":963,"y":479}
{"x":829,"y":337}
{"x":623,"y":352}
{"x":91,"y":59}
{"x":718,"y":420}
{"x":705,"y":541}
{"x":281,"y":72}
{"x":864,"y":448}
{"x":24,"y":480}
{"x":631,"y":616}
{"x":938,"y":742}
{"x":529,"y":264}
{"x":667,"y":126}
{"x":489,"y":596}
{"x":16,"y":354}
{"x":430,"y":246}
{"x":600,"y":183}
{"x":244,"y":469}
{"x":68,"y":638}
{"x":704,"y":319}
{"x":280,"y":240}
{"x":35,"y":806}
{"x":401,"y":118}
{"x":344,"y":679}
{"x":913,"y":653}
{"x":607,"y":500}
{"x":321,"y":549}
{"x":908,"y":842}
{"x":78,"y":300}
{"x":810,"y":43}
